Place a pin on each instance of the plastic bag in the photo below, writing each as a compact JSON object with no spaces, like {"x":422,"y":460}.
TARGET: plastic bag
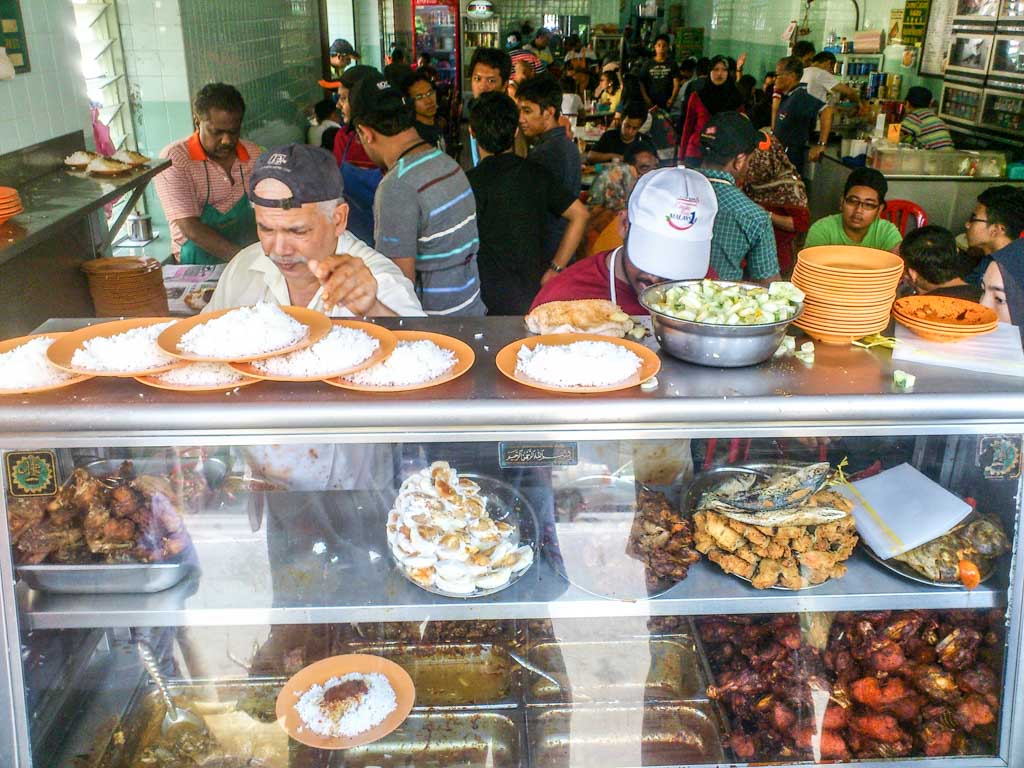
{"x":6,"y":66}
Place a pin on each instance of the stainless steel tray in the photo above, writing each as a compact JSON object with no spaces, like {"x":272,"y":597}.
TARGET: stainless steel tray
{"x":213,"y":469}
{"x":654,"y":669}
{"x":624,"y":736}
{"x":455,"y":674}
{"x":468,"y":739}
{"x":103,"y":579}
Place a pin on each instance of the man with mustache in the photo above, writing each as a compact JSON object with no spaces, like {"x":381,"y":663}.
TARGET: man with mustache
{"x":305,"y":257}
{"x":203,"y":192}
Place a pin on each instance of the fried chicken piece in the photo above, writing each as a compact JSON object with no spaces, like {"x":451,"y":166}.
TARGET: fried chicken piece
{"x":934,"y":682}
{"x":875,"y":695}
{"x":716,"y":525}
{"x":835,"y":718}
{"x":972,"y":712}
{"x":22,"y":514}
{"x":832,"y":745}
{"x":789,"y":637}
{"x":87,"y":490}
{"x":771,"y":549}
{"x":746,"y":553}
{"x":802,"y":543}
{"x":39,"y":541}
{"x":980,"y":680}
{"x":747,"y":682}
{"x":937,"y":739}
{"x":903,"y":627}
{"x":123,"y":501}
{"x":906,"y":709}
{"x":959,"y":649}
{"x":887,"y":657}
{"x":731,"y":563}
{"x":918,"y":651}
{"x":716,"y":631}
{"x":743,"y":745}
{"x":791,"y":578}
{"x":821,"y":566}
{"x":878,"y":727}
{"x":768,"y":573}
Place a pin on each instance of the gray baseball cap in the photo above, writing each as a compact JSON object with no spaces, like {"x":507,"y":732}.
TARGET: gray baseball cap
{"x":344,"y":47}
{"x":311,"y":174}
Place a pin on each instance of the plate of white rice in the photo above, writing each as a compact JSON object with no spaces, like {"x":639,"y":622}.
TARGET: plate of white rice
{"x":198,"y":377}
{"x":350,"y":346}
{"x":421,"y":359}
{"x":121,"y":348}
{"x":371,"y":697}
{"x":578,"y":362}
{"x":25,"y":368}
{"x":245,"y":333}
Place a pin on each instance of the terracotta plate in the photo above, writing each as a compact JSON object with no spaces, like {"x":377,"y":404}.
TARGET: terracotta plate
{"x":942,"y":336}
{"x":850,"y":259}
{"x":506,"y":360}
{"x":385,"y":337}
{"x":951,"y":329}
{"x":945,"y":311}
{"x":9,"y":344}
{"x":318,"y":323}
{"x":336,"y":666}
{"x":62,"y":350}
{"x":464,"y":359}
{"x":830,"y":336}
{"x":154,"y":381}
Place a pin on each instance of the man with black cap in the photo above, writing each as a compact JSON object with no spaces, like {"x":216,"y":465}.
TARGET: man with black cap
{"x":424,"y":210}
{"x":743,"y":229}
{"x":342,"y":54}
{"x":304,"y":256}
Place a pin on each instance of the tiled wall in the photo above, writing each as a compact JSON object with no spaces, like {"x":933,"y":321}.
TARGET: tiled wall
{"x":367,"y":42}
{"x":268,"y":49}
{"x":50,"y":100}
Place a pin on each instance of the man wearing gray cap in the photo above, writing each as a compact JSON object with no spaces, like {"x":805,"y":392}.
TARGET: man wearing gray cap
{"x":342,"y":54}
{"x":305,"y":257}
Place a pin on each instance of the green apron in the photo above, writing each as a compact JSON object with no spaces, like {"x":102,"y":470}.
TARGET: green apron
{"x":237,"y":225}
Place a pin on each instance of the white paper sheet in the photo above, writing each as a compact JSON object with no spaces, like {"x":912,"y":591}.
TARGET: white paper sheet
{"x":996,"y":352}
{"x":900,"y":508}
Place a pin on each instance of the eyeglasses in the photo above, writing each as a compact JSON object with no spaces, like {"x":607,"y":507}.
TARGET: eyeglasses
{"x":867,"y":205}
{"x":976,"y":220}
{"x":424,"y":95}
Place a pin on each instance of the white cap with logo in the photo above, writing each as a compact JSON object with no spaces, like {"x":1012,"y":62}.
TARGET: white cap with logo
{"x":671,"y":217}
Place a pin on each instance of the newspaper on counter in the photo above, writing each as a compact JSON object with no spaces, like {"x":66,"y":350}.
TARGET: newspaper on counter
{"x":190,"y":286}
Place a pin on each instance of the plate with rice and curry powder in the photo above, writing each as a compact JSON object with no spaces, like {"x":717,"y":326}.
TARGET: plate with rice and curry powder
{"x":345,"y":701}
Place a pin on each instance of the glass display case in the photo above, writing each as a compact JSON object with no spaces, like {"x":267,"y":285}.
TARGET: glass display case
{"x":1003,"y":109}
{"x":670,"y":577}
{"x":961,"y":103}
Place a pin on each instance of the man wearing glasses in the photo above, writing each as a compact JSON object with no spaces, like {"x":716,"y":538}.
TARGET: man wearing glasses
{"x":859,"y":221}
{"x":419,"y":90}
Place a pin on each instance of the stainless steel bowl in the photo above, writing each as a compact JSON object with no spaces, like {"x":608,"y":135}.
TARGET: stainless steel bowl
{"x":718,"y":346}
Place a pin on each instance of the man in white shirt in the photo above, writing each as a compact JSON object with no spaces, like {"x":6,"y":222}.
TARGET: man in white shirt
{"x":326,"y":112}
{"x":304,"y":256}
{"x":821,"y":83}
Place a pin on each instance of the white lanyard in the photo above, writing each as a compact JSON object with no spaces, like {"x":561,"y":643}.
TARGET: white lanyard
{"x":611,"y":274}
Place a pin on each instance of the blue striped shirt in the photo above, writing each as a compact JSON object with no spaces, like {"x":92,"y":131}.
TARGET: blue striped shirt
{"x":424,"y":208}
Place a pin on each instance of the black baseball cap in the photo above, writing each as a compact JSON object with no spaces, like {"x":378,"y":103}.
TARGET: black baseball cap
{"x":728,"y":134}
{"x":311,"y":174}
{"x":377,"y":98}
{"x":344,"y":47}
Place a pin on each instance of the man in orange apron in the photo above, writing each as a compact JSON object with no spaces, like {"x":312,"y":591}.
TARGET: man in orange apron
{"x":203,"y":193}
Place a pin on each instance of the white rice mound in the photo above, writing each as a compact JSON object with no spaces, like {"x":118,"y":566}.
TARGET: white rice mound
{"x":412,"y":362}
{"x":26,"y":366}
{"x":134,"y":350}
{"x":244,"y":332}
{"x":201,"y":375}
{"x":338,"y":351}
{"x":379,"y":702}
{"x":578,"y":364}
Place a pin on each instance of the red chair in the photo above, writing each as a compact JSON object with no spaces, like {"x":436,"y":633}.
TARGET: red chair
{"x":900,"y":212}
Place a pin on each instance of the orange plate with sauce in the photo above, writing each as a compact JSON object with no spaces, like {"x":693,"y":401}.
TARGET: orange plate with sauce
{"x":507,"y":359}
{"x":464,"y":359}
{"x":943,"y":311}
{"x":384,"y":337}
{"x":317,"y":323}
{"x":9,"y":344}
{"x":63,"y":349}
{"x":337,"y":666}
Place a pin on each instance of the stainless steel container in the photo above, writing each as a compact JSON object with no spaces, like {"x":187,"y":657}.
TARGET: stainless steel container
{"x":718,"y":346}
{"x":140,"y":228}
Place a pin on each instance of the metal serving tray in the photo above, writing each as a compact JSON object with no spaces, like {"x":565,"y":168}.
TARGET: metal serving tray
{"x":624,"y":736}
{"x":103,"y":579}
{"x":455,"y":674}
{"x":609,"y":671}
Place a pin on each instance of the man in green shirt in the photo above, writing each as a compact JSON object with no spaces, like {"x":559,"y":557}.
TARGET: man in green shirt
{"x":859,"y":220}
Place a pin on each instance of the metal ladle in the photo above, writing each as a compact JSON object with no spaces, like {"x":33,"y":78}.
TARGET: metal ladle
{"x":528,"y":666}
{"x":174,"y":716}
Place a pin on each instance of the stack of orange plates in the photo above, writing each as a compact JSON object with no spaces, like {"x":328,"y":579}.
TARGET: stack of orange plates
{"x":849,"y":291}
{"x":944,"y":318}
{"x":10,"y":203}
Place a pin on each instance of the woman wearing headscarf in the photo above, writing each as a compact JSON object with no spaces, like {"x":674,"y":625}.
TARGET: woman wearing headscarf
{"x":1003,"y":283}
{"x":719,"y":94}
{"x":773,"y":183}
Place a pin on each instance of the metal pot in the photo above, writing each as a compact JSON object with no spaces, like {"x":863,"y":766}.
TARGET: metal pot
{"x":140,"y":227}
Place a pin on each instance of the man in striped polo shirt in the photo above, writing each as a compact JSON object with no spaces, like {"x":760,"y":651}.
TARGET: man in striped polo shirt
{"x":424,"y":210}
{"x":921,"y":127}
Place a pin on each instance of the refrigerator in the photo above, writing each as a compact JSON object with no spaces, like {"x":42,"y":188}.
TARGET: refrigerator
{"x":436,"y":31}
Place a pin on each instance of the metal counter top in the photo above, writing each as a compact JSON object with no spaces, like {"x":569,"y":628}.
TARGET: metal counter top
{"x":833,"y":153}
{"x":846,"y":389}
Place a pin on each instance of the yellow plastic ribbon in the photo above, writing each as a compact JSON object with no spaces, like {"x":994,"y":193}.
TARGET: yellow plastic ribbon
{"x":886,"y":530}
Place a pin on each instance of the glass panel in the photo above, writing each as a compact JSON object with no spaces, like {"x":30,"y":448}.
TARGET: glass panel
{"x":1009,"y":56}
{"x":436,"y":34}
{"x":1004,"y":111}
{"x":960,"y":103}
{"x":1012,"y":9}
{"x":646,"y":602}
{"x":970,"y":52}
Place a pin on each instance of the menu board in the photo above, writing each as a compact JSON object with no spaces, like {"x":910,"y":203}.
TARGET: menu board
{"x":937,"y":36}
{"x":690,"y":42}
{"x":915,"y":21}
{"x":12,"y":35}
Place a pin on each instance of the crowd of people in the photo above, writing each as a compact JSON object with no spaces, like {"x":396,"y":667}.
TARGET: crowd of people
{"x":407,"y":201}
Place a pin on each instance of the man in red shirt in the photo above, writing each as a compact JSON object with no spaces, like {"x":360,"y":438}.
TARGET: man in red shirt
{"x":667,"y":234}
